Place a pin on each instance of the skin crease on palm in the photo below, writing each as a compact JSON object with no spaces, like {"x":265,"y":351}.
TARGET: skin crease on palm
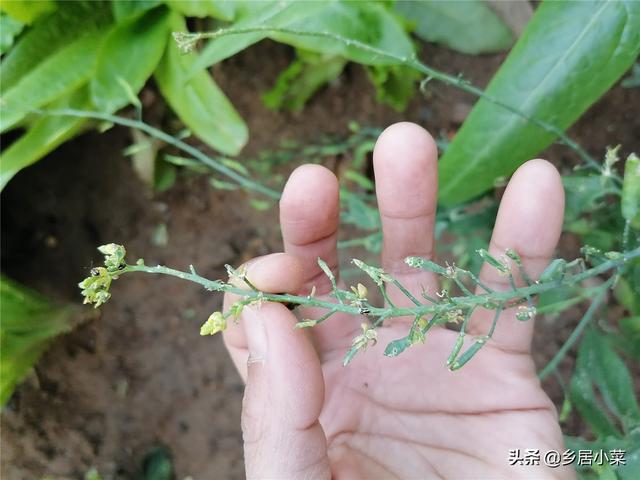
{"x":306,"y":416}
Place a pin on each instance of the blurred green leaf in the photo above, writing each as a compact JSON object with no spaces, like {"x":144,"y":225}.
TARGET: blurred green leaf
{"x":553,"y":302}
{"x":158,"y":465}
{"x":125,"y":9}
{"x":10,"y":28}
{"x":251,"y":14}
{"x":222,"y":9}
{"x":49,"y":34}
{"x":301,"y":79}
{"x":128,"y":56}
{"x":598,"y":364}
{"x":468,"y":26}
{"x":627,"y":295}
{"x":572,"y":52}
{"x":29,"y":322}
{"x":27,"y":11}
{"x":355,"y":211}
{"x":61,"y":73}
{"x":367,"y":22}
{"x":395,"y":84}
{"x":198,"y":101}
{"x":43,"y":136}
{"x":631,"y":191}
{"x":165,"y":176}
{"x":628,"y":338}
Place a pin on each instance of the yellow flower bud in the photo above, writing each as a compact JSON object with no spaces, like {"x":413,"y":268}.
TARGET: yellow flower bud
{"x":214,"y":324}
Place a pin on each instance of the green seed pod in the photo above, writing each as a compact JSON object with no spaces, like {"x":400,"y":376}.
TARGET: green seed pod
{"x":468,"y":354}
{"x":418,"y":262}
{"x":493,"y":261}
{"x":555,"y":271}
{"x":631,"y":191}
{"x":306,"y":323}
{"x":456,"y":349}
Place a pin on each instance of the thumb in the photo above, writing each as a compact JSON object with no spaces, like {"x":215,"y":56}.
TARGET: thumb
{"x":283,"y":399}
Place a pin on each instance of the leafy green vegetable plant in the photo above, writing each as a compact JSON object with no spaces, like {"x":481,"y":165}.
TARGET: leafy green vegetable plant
{"x":98,"y":56}
{"x":29,"y":323}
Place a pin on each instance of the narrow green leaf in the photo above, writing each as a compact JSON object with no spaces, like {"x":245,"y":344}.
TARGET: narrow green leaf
{"x":198,"y":101}
{"x":469,"y":26}
{"x":569,"y":55}
{"x":43,"y":136}
{"x":49,"y":34}
{"x":128,"y":56}
{"x":62,"y":72}
{"x":630,"y":201}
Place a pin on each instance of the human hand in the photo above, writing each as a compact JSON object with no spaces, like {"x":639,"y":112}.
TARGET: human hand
{"x":306,"y":416}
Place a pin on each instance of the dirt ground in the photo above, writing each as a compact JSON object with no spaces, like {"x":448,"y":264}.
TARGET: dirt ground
{"x":140,"y":376}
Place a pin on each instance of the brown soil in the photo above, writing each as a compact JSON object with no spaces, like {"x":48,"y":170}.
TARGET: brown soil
{"x":140,"y":375}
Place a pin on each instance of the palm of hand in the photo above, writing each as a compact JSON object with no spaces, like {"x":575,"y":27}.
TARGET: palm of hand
{"x":395,"y":417}
{"x":307,"y":416}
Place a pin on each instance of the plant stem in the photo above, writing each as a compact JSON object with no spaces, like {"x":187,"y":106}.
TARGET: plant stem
{"x":391,"y":311}
{"x":160,"y":135}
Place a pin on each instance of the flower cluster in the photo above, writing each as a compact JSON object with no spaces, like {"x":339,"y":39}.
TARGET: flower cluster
{"x":214,"y":324}
{"x":95,"y":289}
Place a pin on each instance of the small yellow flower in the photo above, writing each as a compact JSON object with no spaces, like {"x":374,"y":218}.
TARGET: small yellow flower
{"x":360,"y":291}
{"x":214,"y":324}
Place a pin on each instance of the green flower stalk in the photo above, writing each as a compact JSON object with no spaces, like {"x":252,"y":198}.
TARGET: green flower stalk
{"x":426,"y":311}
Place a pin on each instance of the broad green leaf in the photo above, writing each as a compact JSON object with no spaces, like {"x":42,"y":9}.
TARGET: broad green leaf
{"x":43,"y":136}
{"x":198,"y":101}
{"x":469,"y":26}
{"x":630,"y":201}
{"x":222,"y":9}
{"x":127,"y":58}
{"x":29,"y":322}
{"x":27,"y":11}
{"x":612,"y":377}
{"x":569,"y":55}
{"x":584,"y":400}
{"x":125,"y":9}
{"x":10,"y":28}
{"x":50,"y":33}
{"x":366,"y":22}
{"x":56,"y":76}
{"x":252,"y":14}
{"x":301,"y":79}
{"x":599,"y":365}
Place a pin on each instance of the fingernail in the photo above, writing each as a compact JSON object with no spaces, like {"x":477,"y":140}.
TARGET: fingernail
{"x":256,"y":335}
